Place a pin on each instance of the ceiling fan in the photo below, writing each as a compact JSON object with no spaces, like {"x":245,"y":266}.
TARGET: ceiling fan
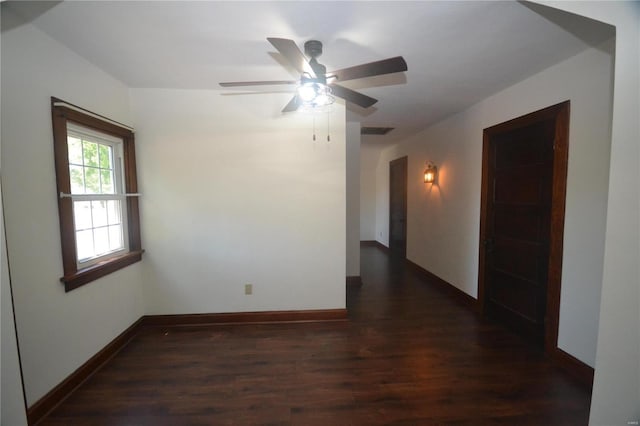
{"x":316,"y":87}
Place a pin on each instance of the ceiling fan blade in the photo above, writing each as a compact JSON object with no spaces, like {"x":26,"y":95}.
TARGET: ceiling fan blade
{"x":385,"y":66}
{"x":292,"y":105}
{"x":256,"y":83}
{"x":292,"y":53}
{"x":352,"y":96}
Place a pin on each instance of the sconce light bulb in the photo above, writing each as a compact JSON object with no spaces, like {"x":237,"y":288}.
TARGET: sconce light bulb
{"x":430,"y":173}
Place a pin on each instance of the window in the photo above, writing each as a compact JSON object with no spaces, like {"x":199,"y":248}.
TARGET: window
{"x":97,"y":189}
{"x":97,"y":186}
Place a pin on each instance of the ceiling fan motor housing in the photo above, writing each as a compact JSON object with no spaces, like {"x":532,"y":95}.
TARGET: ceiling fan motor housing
{"x":313,"y":48}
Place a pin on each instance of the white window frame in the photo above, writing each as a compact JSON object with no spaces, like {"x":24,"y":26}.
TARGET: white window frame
{"x":86,"y":134}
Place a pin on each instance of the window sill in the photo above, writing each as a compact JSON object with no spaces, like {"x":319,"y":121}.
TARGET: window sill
{"x":92,"y":273}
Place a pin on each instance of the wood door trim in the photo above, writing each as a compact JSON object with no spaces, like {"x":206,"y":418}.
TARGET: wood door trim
{"x":354,"y":281}
{"x":558,"y":197}
{"x":404,"y":160}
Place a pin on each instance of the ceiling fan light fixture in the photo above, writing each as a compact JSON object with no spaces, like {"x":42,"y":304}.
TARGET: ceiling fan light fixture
{"x":314,"y":94}
{"x":307,"y":92}
{"x":323,"y":100}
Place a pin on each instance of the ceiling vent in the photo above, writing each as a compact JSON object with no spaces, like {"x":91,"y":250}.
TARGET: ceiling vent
{"x":378,"y":131}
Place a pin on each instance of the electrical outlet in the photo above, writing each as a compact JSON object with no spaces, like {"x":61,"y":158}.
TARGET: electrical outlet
{"x":248,"y":289}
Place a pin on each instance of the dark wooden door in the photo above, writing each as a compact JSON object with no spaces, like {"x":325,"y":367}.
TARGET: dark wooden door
{"x":518,"y":229}
{"x":398,"y":206}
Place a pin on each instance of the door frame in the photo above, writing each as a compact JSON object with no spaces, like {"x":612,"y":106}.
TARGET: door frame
{"x":560,"y":112}
{"x":404,"y":160}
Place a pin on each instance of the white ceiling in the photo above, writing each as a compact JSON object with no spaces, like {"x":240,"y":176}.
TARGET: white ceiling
{"x":457,"y":53}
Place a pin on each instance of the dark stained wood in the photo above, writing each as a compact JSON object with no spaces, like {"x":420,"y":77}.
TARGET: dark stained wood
{"x":355,"y":280}
{"x":55,"y":396}
{"x":90,"y":119}
{"x":519,"y":224}
{"x":74,"y":278}
{"x":398,"y":206}
{"x":575,"y":367}
{"x":131,"y":187}
{"x":556,"y":242}
{"x":445,"y":286}
{"x":410,"y":354}
{"x":63,"y":184}
{"x":374,"y":243}
{"x":245,"y":318}
{"x":522,"y":221}
{"x":93,"y":272}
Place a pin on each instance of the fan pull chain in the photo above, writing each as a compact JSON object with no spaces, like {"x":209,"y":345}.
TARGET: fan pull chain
{"x":328,"y":126}
{"x":314,"y":127}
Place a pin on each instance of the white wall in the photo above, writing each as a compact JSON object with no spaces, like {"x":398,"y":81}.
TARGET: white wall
{"x":57,"y":331}
{"x":50,"y":322}
{"x":444,"y":219}
{"x":234,"y":193}
{"x":369,"y":156}
{"x":616,"y":389}
{"x":353,"y":198}
{"x":12,"y":410}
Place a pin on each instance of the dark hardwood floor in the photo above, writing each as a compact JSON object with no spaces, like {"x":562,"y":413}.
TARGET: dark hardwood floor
{"x":408,"y":355}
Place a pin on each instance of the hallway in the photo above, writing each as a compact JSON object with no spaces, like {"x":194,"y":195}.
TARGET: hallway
{"x":409,"y":354}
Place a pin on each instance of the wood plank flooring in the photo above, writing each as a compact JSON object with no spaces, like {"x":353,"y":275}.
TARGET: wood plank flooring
{"x":409,"y":355}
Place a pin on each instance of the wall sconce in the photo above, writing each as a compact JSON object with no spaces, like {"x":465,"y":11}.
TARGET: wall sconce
{"x":430,"y":173}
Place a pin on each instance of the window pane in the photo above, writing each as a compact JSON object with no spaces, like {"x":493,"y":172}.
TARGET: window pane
{"x":82,"y":214}
{"x":115,"y":237}
{"x":75,"y":150}
{"x":113,"y":212}
{"x":90,"y":152}
{"x":105,"y":156}
{"x":106,"y":181}
{"x":101,"y":240}
{"x":92,"y":180}
{"x":77,"y":179}
{"x":84,"y":244}
{"x":99,"y":213}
